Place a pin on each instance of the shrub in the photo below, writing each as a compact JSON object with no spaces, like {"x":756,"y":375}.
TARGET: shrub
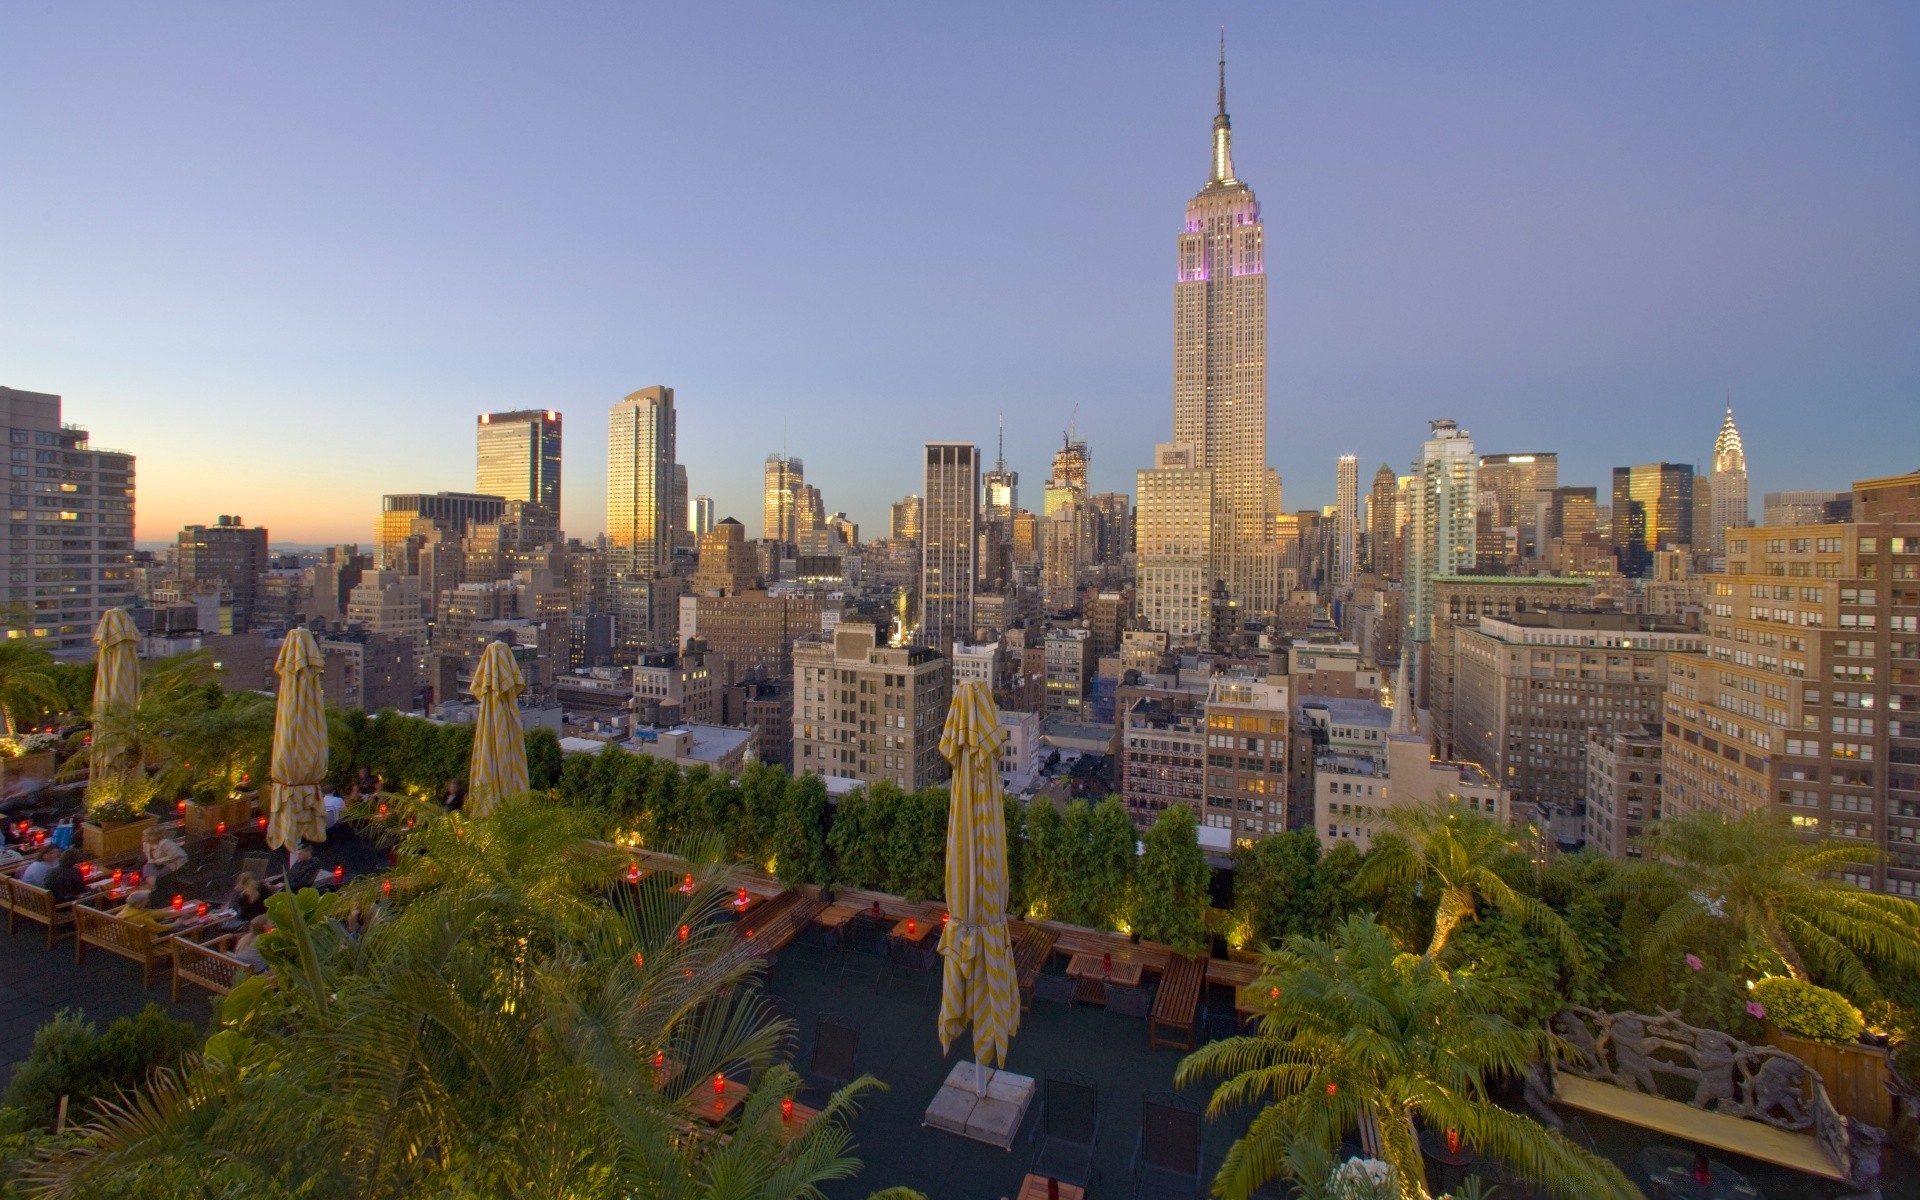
{"x":71,"y":1058}
{"x":1808,"y":1010}
{"x":1170,"y":892}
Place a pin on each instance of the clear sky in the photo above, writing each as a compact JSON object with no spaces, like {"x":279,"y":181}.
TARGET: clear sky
{"x":286,"y":253}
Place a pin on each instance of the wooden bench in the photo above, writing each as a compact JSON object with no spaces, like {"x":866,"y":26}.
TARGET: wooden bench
{"x":772,"y":936}
{"x":1171,"y":1023}
{"x":207,"y":964}
{"x":1029,"y":955}
{"x":132,"y":940}
{"x":36,"y":904}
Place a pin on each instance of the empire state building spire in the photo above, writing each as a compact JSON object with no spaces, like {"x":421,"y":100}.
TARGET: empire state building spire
{"x":1222,"y":128}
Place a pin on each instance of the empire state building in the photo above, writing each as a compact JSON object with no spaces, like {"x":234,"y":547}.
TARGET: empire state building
{"x":1220,"y":370}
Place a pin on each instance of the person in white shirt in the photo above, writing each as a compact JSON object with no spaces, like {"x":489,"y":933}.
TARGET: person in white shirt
{"x":164,"y":856}
{"x":336,"y":807}
{"x":36,"y":872}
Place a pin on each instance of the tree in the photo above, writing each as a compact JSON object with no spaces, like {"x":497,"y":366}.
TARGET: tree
{"x":28,"y":682}
{"x":1777,"y":892}
{"x":763,"y":787}
{"x":1453,"y":856}
{"x":1279,"y":890}
{"x":1046,"y":859}
{"x":430,"y":1055}
{"x":1170,"y":884}
{"x":857,"y":852}
{"x":543,"y":758}
{"x":800,"y":844}
{"x":1358,"y":1036}
{"x":1019,"y":857}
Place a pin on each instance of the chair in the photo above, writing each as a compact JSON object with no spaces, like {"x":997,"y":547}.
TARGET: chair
{"x":131,"y":940}
{"x":257,"y":865}
{"x":835,"y":1043}
{"x":224,"y":848}
{"x":207,"y":964}
{"x":1166,"y":1155}
{"x":1134,"y":1002}
{"x":36,"y":904}
{"x":1057,"y":989}
{"x":1069,"y":1123}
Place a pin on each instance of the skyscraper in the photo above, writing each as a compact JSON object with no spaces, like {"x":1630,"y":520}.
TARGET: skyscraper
{"x":517,"y":457}
{"x":1519,"y":486}
{"x":906,"y":518}
{"x":700,"y":515}
{"x":1346,"y":515}
{"x":1441,"y":530}
{"x":1174,"y":528}
{"x":1383,"y":522}
{"x":1220,"y":367}
{"x":1000,"y":497}
{"x":1067,"y":482}
{"x":1652,"y":510}
{"x":784,"y":479}
{"x":1728,"y":486}
{"x":950,"y":529}
{"x":640,"y":483}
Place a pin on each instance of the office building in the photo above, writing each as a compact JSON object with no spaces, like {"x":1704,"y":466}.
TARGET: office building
{"x":951,"y":530}
{"x":1353,"y":793}
{"x":905,"y":521}
{"x":1163,"y":754}
{"x":728,"y":566}
{"x":408,"y":521}
{"x":518,"y":457}
{"x":1441,"y":526}
{"x":1459,"y":603}
{"x":751,"y":633}
{"x":783,"y":481}
{"x":1532,"y":688}
{"x":1805,"y":696}
{"x":1248,"y":723}
{"x":1108,"y":530}
{"x":228,"y":555}
{"x":868,"y":712}
{"x":1514,"y":490}
{"x":71,"y":519}
{"x":1383,"y":524}
{"x":1801,"y":508}
{"x":1623,"y":789}
{"x":389,"y":604}
{"x":700,"y":516}
{"x":1652,"y":510}
{"x":1573,"y":513}
{"x":1728,"y":486}
{"x":1220,"y":369}
{"x":1070,"y":667}
{"x":1174,"y":529}
{"x":640,"y":482}
{"x":1067,"y":481}
{"x":1346,"y":521}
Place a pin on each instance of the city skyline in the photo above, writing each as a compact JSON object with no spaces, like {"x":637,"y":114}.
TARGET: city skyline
{"x":1713,"y":209}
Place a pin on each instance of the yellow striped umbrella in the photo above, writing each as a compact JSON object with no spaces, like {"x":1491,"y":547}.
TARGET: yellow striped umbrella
{"x":977,"y":984}
{"x":299,"y":745}
{"x":116,"y":685}
{"x":499,"y":767}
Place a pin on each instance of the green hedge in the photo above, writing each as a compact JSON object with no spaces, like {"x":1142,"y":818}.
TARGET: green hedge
{"x":1808,"y":1010}
{"x":71,"y":1058}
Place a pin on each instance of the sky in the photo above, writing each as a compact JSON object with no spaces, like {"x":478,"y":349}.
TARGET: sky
{"x":287,"y":253}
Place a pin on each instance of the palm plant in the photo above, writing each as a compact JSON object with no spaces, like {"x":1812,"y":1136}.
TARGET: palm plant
{"x":1358,"y":1036}
{"x":29,"y":684}
{"x":174,"y":693}
{"x":450,"y":1049}
{"x":1779,"y":893}
{"x":227,"y":743}
{"x":1456,"y":857}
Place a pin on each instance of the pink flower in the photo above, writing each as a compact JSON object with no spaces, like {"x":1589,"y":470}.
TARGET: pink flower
{"x":1693,"y":960}
{"x":1756,"y":1010}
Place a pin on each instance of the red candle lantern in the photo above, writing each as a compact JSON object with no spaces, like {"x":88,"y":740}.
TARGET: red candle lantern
{"x":116,"y":875}
{"x":261,"y":823}
{"x":1333,"y":1089}
{"x":786,"y":1108}
{"x":633,"y":873}
{"x":688,"y":885}
{"x":943,"y":919}
{"x":749,"y":935}
{"x":200,"y":910}
{"x":383,"y":810}
{"x":683,"y":933}
{"x":386,"y":887}
{"x":659,"y":1059}
{"x":741,"y":899}
{"x":39,"y":837}
{"x":911,"y":929}
{"x":181,"y":806}
{"x":1453,"y":1141}
{"x":1106,"y":961}
{"x":1273,"y":993}
{"x":339,"y":873}
{"x":221,"y":828}
{"x":179,"y":902}
{"x":86,"y":869}
{"x":639,"y":960}
{"x":720,"y":1084}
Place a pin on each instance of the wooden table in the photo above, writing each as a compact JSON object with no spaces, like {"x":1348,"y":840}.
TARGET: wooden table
{"x":789,"y":1128}
{"x":922,"y":926}
{"x":1034,"y":1187}
{"x":714,"y":1107}
{"x":833,"y":916}
{"x":1126,"y":969}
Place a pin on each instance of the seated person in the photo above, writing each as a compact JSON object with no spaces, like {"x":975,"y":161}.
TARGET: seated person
{"x":65,"y":881}
{"x":43,"y":863}
{"x":163,"y":855}
{"x":248,"y":899}
{"x":303,"y":871}
{"x":247,"y":949}
{"x":454,"y":795}
{"x":335,"y":805}
{"x":140,"y":909}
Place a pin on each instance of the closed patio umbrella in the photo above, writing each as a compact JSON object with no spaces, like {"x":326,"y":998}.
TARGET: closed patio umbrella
{"x":499,"y":767}
{"x":977,"y":983}
{"x":116,"y":686}
{"x":296,"y":812}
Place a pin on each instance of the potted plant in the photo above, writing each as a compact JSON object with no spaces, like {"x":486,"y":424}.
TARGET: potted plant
{"x":116,"y":814}
{"x":217,"y":801}
{"x":26,"y":756}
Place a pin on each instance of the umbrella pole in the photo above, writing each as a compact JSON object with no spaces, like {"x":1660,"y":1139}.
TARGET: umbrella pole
{"x":980,"y":1073}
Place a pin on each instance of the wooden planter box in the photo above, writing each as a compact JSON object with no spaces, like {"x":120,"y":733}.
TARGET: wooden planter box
{"x":103,"y":842}
{"x":204,"y":820}
{"x":38,"y":765}
{"x":1855,"y":1075}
